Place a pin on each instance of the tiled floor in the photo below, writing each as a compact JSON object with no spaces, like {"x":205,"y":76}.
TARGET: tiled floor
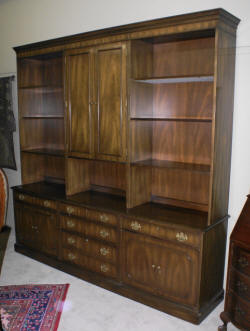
{"x":91,"y":308}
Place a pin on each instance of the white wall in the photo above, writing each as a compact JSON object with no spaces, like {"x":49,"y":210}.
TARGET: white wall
{"x":28,"y":21}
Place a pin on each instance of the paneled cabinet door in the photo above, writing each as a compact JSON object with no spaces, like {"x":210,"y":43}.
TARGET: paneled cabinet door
{"x":110,"y":95}
{"x":79,"y":101}
{"x":163,"y":268}
{"x":36,"y":228}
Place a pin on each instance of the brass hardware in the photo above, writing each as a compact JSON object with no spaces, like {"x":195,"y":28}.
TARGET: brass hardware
{"x":153,"y":266}
{"x":70,"y":223}
{"x":181,"y":236}
{"x":86,"y":240}
{"x":104,"y":268}
{"x":241,"y":286}
{"x":104,"y":251}
{"x":136,"y":226}
{"x":46,"y":203}
{"x":70,"y":209}
{"x":71,"y":240}
{"x":240,"y":311}
{"x":34,"y":227}
{"x":156,"y":268}
{"x":71,"y":256}
{"x":243,"y":262}
{"x":21,"y":197}
{"x":104,"y":218}
{"x":104,"y":233}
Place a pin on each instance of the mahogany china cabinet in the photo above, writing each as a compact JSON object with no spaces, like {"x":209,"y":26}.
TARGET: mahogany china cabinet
{"x":237,"y":301}
{"x":125,"y":137}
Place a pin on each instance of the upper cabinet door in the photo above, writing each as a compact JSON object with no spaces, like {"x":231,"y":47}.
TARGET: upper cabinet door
{"x":110,"y":97}
{"x":79,"y":80}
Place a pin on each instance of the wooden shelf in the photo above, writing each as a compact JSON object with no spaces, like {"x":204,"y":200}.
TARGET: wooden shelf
{"x":43,"y":88}
{"x":175,"y":79}
{"x":45,"y":151}
{"x":183,"y":119}
{"x":38,"y":116}
{"x":172,"y":165}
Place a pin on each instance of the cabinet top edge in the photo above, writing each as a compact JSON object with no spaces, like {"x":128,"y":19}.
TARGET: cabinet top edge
{"x":216,"y":15}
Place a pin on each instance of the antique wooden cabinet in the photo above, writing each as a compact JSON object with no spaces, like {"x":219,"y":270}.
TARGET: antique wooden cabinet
{"x":125,"y":138}
{"x":237,"y":303}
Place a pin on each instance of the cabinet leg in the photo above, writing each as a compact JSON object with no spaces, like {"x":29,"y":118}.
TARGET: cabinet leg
{"x":225,"y":319}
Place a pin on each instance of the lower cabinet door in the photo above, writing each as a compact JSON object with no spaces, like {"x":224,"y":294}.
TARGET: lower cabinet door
{"x":36,"y":228}
{"x":166,"y":269}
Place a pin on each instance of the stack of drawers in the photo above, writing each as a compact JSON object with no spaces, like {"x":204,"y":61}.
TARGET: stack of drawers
{"x":90,"y":239}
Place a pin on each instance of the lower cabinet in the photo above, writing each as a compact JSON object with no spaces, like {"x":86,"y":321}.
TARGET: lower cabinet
{"x":36,"y":228}
{"x":163,"y":268}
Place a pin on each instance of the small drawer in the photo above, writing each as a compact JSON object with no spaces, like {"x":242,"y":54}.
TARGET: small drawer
{"x":240,"y":284}
{"x":89,"y":263}
{"x":102,"y":217}
{"x":90,"y":247}
{"x":72,"y":210}
{"x":186,"y":237}
{"x":241,"y":260}
{"x":46,"y":203}
{"x":239,"y":310}
{"x":72,"y":224}
{"x":104,"y":233}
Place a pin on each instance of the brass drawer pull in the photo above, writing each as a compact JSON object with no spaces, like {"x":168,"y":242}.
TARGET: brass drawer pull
{"x":243,"y":262}
{"x":239,"y":311}
{"x":70,"y":223}
{"x":136,"y":226}
{"x":21,"y":197}
{"x":181,"y":236}
{"x":104,"y":233}
{"x":46,"y":203}
{"x":104,"y":268}
{"x":70,"y":209}
{"x":104,"y":218}
{"x":34,"y":227}
{"x":104,"y":251}
{"x":241,"y":286}
{"x":71,"y":240}
{"x":156,"y":268}
{"x":71,"y":256}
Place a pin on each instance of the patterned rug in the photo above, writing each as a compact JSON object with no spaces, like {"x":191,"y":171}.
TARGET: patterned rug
{"x":32,"y":307}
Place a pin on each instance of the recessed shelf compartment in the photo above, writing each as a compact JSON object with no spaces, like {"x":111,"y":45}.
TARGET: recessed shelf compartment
{"x":175,"y":79}
{"x":172,"y":165}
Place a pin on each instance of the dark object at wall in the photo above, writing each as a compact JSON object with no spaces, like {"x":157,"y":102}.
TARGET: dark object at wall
{"x":7,"y":124}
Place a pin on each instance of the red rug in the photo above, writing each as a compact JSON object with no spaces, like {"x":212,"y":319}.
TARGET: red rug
{"x":32,"y":307}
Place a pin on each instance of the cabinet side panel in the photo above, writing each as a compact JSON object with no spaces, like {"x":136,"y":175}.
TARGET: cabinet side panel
{"x":212,"y":274}
{"x":225,"y":44}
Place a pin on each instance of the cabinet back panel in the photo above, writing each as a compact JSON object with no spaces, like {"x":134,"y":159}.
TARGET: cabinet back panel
{"x":109,"y":117}
{"x":185,"y":57}
{"x":182,"y":141}
{"x":41,"y":102}
{"x":141,"y":100}
{"x":180,"y":185}
{"x":141,"y":140}
{"x":188,"y":100}
{"x":79,"y":68}
{"x":42,"y":133}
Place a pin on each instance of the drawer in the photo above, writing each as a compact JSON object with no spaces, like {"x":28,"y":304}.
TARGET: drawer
{"x":89,"y":229}
{"x":36,"y":201}
{"x":102,"y":217}
{"x":239,"y":311}
{"x":240,"y":284}
{"x":77,"y":258}
{"x":241,"y":260}
{"x":90,"y":247}
{"x":192,"y":239}
{"x":72,"y":210}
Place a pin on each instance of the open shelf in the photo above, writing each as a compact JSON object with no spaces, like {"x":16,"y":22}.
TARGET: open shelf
{"x":175,"y":79}
{"x":39,"y":116}
{"x":42,"y":88}
{"x":185,"y":119}
{"x":45,"y":151}
{"x":172,"y":165}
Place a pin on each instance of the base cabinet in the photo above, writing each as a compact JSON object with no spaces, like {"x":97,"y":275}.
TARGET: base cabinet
{"x":163,"y":268}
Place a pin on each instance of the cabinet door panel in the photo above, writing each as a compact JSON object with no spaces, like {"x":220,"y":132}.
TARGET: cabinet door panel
{"x":79,"y":79}
{"x":162,"y":268}
{"x":110,"y":66}
{"x":36,"y":228}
